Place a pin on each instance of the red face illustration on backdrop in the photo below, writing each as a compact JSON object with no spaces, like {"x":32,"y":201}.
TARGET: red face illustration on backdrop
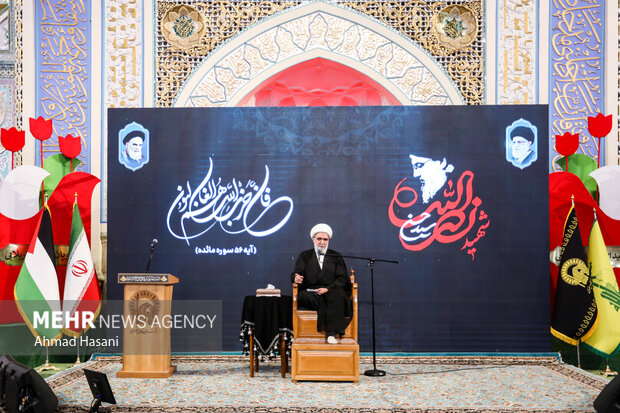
{"x":448,"y":212}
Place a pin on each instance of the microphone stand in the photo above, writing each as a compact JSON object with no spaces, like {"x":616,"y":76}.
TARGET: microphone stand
{"x":148,"y":264}
{"x":371,"y":263}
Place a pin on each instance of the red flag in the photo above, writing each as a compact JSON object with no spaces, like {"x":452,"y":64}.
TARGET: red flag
{"x":563,"y":185}
{"x":61,"y":207}
{"x":15,"y":238}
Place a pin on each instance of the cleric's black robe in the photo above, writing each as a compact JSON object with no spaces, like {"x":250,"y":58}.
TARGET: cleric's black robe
{"x":334,"y":308}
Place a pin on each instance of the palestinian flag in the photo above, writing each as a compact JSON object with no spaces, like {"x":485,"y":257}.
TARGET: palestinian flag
{"x":81,"y":292}
{"x":36,"y":289}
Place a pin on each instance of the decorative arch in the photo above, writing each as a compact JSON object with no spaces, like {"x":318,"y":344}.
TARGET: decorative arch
{"x":318,"y":30}
{"x":319,"y":82}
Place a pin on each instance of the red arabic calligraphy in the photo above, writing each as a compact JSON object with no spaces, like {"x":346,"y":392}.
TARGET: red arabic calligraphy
{"x":446,"y":220}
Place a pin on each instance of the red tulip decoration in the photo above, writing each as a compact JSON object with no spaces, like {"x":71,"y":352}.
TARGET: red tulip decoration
{"x":567,"y":145}
{"x":42,"y":130}
{"x":12,"y":140}
{"x":70,"y":146}
{"x":599,"y":126}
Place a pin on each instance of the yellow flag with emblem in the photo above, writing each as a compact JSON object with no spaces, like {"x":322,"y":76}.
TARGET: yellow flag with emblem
{"x":605,"y":341}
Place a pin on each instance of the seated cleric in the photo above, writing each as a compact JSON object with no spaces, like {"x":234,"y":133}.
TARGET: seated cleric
{"x":324,"y":284}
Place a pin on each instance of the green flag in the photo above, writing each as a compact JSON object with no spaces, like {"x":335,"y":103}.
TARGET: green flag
{"x":36,"y":289}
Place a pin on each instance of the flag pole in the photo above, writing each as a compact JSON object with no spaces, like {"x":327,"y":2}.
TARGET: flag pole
{"x":47,"y":365}
{"x":78,"y":353}
{"x":77,"y":342}
{"x":572,"y":200}
{"x":608,"y":372}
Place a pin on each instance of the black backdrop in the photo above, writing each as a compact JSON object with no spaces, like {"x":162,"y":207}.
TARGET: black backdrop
{"x":342,"y":166}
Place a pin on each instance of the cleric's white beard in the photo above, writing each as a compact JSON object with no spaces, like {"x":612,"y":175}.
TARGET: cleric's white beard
{"x":521,"y":155}
{"x":430,"y":188}
{"x":135,"y":155}
{"x":321,"y":250}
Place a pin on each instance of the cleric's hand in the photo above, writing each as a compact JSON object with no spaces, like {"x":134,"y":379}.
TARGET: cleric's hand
{"x":321,"y":291}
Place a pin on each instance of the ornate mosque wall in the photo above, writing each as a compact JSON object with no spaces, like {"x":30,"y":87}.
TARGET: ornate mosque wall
{"x":71,"y":61}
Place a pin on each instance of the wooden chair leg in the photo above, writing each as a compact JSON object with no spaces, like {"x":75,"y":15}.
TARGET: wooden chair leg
{"x":283,"y":357}
{"x":251,"y":352}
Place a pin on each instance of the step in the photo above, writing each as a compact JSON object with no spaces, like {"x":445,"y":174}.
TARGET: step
{"x":319,"y":361}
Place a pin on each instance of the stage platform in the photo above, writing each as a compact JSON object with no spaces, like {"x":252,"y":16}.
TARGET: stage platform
{"x":418,"y":383}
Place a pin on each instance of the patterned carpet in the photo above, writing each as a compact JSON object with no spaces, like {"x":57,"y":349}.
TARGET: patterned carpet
{"x":412,"y":384}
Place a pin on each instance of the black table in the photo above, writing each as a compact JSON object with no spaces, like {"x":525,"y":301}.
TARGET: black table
{"x":267,"y":329}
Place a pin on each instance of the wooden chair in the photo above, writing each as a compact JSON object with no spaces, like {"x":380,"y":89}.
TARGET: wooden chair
{"x":314,"y":359}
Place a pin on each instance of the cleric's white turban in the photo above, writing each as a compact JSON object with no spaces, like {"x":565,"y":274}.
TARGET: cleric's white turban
{"x":321,"y":228}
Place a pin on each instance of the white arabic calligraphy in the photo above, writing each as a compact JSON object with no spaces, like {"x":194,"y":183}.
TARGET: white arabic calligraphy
{"x":233,"y":206}
{"x":424,"y":232}
{"x":207,"y":249}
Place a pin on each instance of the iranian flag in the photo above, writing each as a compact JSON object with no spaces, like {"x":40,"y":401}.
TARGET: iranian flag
{"x":82,"y":298}
{"x":36,"y":290}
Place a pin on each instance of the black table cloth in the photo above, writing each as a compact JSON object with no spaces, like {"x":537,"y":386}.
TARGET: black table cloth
{"x":269,"y":316}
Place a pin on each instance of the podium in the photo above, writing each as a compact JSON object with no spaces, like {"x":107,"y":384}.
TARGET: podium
{"x":146,"y":339}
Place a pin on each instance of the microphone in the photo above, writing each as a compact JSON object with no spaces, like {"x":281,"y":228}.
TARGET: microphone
{"x":153,"y":243}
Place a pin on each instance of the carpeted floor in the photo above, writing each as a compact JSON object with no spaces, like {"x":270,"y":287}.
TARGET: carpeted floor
{"x":412,"y":384}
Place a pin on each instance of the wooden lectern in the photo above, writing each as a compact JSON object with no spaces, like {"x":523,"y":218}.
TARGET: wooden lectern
{"x":146,"y":341}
